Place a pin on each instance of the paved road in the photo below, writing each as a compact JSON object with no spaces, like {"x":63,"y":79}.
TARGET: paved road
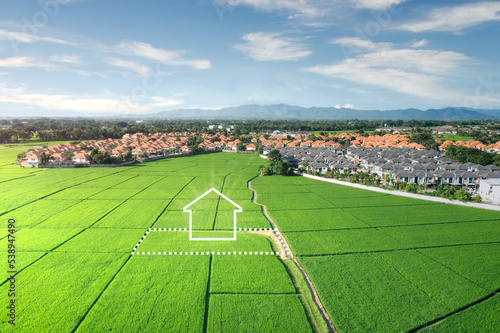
{"x":405,"y":194}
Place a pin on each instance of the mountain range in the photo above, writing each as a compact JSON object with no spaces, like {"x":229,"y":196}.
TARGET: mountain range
{"x":291,"y":112}
{"x":276,"y":112}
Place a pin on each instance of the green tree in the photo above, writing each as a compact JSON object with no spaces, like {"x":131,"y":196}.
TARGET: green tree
{"x":274,"y":156}
{"x":463,"y":195}
{"x":44,"y":158}
{"x":265,"y":170}
{"x":94,"y":152}
{"x":412,"y":188}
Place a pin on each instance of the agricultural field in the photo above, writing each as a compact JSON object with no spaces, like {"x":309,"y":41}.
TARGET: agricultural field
{"x":382,"y":263}
{"x":108,"y":249}
{"x":80,"y":235}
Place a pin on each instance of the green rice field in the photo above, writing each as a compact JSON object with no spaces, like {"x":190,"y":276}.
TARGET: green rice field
{"x":382,"y":263}
{"x":76,"y":230}
{"x":108,"y":249}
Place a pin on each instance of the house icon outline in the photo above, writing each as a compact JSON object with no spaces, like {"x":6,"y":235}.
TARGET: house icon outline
{"x":235,"y":211}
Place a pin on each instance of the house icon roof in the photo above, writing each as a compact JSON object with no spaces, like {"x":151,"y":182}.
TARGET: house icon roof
{"x":187,"y":209}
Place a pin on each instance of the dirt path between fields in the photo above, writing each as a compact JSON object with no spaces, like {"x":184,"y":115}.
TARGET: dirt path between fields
{"x":276,"y":241}
{"x":286,"y":254}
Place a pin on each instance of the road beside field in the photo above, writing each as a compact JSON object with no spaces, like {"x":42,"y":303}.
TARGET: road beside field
{"x":404,"y":194}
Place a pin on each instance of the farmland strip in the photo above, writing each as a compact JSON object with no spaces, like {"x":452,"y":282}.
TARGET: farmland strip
{"x":393,"y":250}
{"x":51,"y":250}
{"x":22,"y":269}
{"x":312,"y":290}
{"x":99,"y":296}
{"x":164,"y":209}
{"x":234,"y":293}
{"x":389,"y":226}
{"x":410,"y":282}
{"x":8,"y":180}
{"x":1,"y":214}
{"x":207,"y":296}
{"x":426,"y":325}
{"x":410,"y":247}
{"x":222,"y":189}
{"x":78,"y":232}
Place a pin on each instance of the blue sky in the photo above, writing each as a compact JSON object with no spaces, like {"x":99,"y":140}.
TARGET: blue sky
{"x":89,"y":57}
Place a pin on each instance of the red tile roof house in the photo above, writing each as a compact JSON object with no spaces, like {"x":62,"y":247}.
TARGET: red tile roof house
{"x":81,"y":158}
{"x":136,"y":151}
{"x":31,"y":159}
{"x":58,"y":157}
{"x":251,"y":147}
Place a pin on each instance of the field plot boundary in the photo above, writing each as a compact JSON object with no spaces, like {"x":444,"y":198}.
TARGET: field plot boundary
{"x":213,"y":252}
{"x":404,"y":194}
{"x":290,"y":256}
{"x":463,"y":308}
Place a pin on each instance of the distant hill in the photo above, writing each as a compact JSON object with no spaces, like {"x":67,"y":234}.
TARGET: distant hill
{"x":291,"y":112}
{"x":281,"y":112}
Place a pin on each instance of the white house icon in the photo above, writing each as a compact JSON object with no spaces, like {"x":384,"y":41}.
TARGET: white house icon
{"x":187,"y":210}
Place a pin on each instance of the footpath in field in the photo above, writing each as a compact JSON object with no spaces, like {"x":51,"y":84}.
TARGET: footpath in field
{"x":76,"y":228}
{"x":384,"y":263}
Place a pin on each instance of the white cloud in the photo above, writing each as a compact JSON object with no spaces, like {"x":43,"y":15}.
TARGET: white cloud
{"x":414,"y":72}
{"x":307,"y":8}
{"x":129,"y":65}
{"x":347,"y":106}
{"x":164,"y":102}
{"x":23,"y":62}
{"x":262,"y":46}
{"x":22,"y":37}
{"x":82,"y":103}
{"x":56,"y":63}
{"x":355,"y":45}
{"x":173,"y":58}
{"x":316,"y":13}
{"x":419,"y":43}
{"x":65,"y":58}
{"x":457,"y":18}
{"x":65,"y":2}
{"x":376,"y":4}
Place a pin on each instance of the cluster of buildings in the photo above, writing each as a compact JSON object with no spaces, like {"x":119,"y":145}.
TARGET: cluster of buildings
{"x":137,"y":144}
{"x":421,"y":167}
{"x":390,"y":156}
{"x":493,"y":148}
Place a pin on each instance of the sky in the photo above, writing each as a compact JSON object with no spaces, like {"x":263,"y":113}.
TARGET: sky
{"x":115,"y":57}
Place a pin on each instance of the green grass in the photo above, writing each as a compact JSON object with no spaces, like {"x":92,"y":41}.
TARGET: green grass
{"x":54,"y":292}
{"x":335,"y":132}
{"x":478,"y":263}
{"x":364,"y":294}
{"x":383,"y":263}
{"x":453,"y":137}
{"x":341,"y":242}
{"x":78,"y":227}
{"x":178,"y":241}
{"x":379,"y":263}
{"x":153,"y":294}
{"x":481,"y":318}
{"x":315,"y":219}
{"x":253,"y":275}
{"x":257,"y":313}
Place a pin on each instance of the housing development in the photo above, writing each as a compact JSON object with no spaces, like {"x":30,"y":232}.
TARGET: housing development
{"x":390,"y":157}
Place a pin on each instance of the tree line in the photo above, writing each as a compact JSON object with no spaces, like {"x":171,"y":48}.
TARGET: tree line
{"x":60,"y":129}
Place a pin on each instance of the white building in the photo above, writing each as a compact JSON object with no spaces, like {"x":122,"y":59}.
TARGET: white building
{"x":490,"y":189}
